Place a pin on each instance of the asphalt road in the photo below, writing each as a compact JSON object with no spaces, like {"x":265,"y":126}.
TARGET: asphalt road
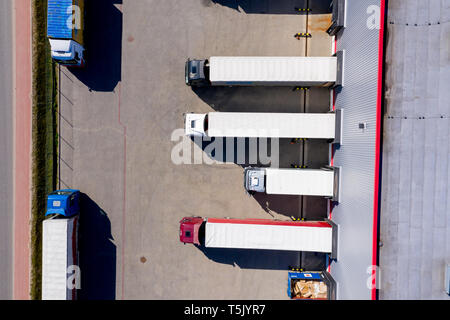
{"x":6,"y":151}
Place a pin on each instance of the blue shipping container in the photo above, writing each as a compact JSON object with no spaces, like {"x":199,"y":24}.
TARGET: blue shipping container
{"x":59,"y":19}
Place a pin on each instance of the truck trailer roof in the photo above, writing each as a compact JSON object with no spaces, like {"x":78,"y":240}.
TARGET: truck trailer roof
{"x":313,"y":182}
{"x":58,"y":253}
{"x":270,"y":235}
{"x":306,"y":71}
{"x":279,"y":125}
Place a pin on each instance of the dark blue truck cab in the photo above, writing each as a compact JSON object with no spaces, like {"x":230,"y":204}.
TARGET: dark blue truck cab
{"x":197,"y":73}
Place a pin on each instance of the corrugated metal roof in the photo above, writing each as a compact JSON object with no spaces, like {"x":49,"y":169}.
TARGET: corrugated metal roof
{"x":59,"y":12}
{"x":357,"y":155}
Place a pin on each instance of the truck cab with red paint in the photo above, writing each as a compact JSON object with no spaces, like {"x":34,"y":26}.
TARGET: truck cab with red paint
{"x":190,"y":230}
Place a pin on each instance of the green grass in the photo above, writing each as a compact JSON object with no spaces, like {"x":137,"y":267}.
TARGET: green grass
{"x":44,"y":137}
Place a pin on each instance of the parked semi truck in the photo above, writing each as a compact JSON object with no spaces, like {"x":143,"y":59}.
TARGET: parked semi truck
{"x":265,"y":125}
{"x":60,"y":245}
{"x":308,"y":182}
{"x":264,"y":71}
{"x":65,"y":31}
{"x":313,"y":236}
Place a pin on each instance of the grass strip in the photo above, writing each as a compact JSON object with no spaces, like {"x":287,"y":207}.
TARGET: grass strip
{"x":44,"y":137}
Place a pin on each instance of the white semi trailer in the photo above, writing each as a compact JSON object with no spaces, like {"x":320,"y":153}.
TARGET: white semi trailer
{"x":308,"y":182}
{"x":265,"y":71}
{"x":59,"y":253}
{"x":265,"y":125}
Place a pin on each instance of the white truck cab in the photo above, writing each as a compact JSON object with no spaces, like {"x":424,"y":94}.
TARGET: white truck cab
{"x":196,"y":124}
{"x":67,"y":52}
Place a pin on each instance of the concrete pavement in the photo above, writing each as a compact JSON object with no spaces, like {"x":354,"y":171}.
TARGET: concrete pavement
{"x":116,"y":146}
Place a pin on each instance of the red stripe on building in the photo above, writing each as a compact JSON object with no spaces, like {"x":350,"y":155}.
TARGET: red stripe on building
{"x":377,"y":149}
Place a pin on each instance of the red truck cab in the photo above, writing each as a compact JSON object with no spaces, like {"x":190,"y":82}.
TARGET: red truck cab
{"x":190,"y":229}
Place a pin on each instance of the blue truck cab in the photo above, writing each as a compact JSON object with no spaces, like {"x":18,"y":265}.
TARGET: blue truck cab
{"x":65,"y":203}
